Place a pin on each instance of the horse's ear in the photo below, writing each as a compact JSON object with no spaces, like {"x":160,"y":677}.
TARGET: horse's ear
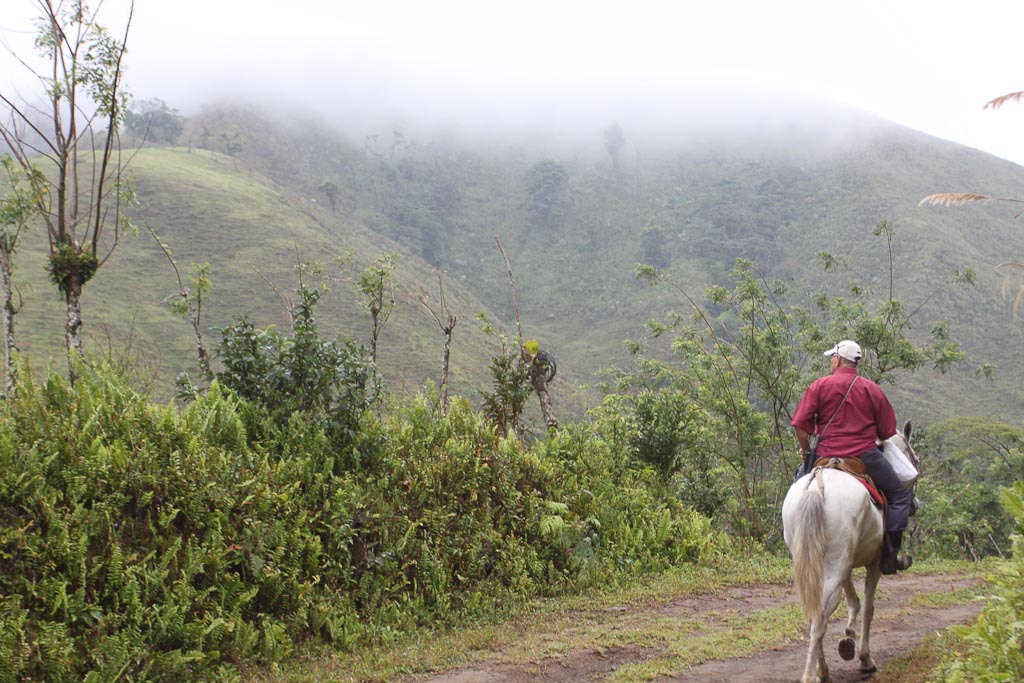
{"x":906,"y":430}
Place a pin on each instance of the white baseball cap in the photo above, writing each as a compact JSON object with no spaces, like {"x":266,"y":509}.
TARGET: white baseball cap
{"x":848,"y":349}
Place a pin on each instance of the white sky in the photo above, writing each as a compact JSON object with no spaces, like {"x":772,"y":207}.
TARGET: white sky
{"x":926,"y":64}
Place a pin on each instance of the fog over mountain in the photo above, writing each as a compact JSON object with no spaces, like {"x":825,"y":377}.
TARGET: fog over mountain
{"x":539,"y":71}
{"x":702,"y":115}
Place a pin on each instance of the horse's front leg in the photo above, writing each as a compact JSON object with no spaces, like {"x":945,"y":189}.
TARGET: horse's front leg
{"x":864,"y":646}
{"x":847,"y":646}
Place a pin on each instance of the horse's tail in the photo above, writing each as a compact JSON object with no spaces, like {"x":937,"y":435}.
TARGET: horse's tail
{"x":809,"y":549}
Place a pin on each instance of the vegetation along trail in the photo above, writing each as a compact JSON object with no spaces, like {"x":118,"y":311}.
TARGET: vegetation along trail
{"x":740,"y":634}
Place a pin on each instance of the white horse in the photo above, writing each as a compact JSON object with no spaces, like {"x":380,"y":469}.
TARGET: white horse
{"x":831,"y":526}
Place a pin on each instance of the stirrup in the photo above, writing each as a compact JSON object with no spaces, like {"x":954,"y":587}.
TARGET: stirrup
{"x":893,"y":563}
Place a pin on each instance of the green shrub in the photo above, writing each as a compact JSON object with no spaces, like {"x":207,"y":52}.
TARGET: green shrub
{"x":328,"y":382}
{"x":166,"y":543}
{"x":995,"y":641}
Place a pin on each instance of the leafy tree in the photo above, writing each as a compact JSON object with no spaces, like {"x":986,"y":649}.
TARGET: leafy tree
{"x":969,"y":460}
{"x":510,"y":383}
{"x":614,"y":140}
{"x":400,"y":145}
{"x":376,"y":285}
{"x":670,"y":433}
{"x":885,"y":331}
{"x":739,"y":363}
{"x":547,"y":184}
{"x":73,"y":160}
{"x":154,"y":120}
{"x":330,"y":190}
{"x":328,"y":382}
{"x":989,"y":649}
{"x":653,"y":250}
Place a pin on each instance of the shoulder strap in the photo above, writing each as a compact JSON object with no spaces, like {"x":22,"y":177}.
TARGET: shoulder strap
{"x":848,"y":389}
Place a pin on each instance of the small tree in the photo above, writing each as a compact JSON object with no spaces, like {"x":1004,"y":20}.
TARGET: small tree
{"x":510,"y":383}
{"x":155,"y":121}
{"x":547,"y":184}
{"x":539,"y":364}
{"x":654,"y":247}
{"x":331,"y":191}
{"x":80,"y":190}
{"x":376,"y":285}
{"x":446,"y":321}
{"x":614,"y":140}
{"x":188,"y":302}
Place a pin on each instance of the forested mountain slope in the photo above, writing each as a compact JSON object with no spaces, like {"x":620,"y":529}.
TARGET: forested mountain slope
{"x":254,"y":196}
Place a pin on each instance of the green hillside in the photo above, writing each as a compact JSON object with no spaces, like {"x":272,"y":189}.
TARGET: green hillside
{"x":243,"y":195}
{"x":209,"y":208}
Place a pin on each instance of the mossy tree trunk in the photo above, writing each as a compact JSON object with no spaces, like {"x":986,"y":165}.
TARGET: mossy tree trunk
{"x":445,"y":358}
{"x":7,"y":303}
{"x":73,"y":326}
{"x":539,"y":379}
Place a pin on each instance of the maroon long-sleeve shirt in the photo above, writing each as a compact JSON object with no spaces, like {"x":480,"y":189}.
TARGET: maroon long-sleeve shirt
{"x":865,"y":417}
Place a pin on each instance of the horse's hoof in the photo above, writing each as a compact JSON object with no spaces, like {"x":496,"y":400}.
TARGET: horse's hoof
{"x":847,"y":648}
{"x":868,"y":669}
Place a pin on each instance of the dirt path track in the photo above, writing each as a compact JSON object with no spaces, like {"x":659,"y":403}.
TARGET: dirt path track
{"x":898,"y":627}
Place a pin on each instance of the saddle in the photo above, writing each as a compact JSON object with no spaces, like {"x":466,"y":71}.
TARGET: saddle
{"x":856,"y":468}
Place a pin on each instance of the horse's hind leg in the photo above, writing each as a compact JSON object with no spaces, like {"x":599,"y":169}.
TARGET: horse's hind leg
{"x":864,"y":646}
{"x":816,"y":670}
{"x":848,"y":646}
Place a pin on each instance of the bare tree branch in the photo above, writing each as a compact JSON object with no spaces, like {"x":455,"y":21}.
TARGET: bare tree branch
{"x":191,"y":313}
{"x":289,"y":305}
{"x":515,"y":295}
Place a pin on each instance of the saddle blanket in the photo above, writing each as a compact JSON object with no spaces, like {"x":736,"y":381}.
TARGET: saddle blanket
{"x":856,"y":468}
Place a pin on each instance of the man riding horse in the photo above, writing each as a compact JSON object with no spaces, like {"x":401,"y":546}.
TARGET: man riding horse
{"x":849,"y":416}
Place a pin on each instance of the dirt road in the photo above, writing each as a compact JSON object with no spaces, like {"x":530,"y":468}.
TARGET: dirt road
{"x":902,"y":620}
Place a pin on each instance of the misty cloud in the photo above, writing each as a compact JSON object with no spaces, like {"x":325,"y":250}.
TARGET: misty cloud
{"x":564,"y":71}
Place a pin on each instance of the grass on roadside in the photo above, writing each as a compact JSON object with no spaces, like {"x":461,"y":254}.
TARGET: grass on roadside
{"x":629,"y":616}
{"x":577,"y":619}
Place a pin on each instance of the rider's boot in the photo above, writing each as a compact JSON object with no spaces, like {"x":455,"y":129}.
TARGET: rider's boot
{"x":891,"y":560}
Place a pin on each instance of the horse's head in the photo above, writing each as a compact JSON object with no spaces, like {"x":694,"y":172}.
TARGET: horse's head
{"x":901,"y":441}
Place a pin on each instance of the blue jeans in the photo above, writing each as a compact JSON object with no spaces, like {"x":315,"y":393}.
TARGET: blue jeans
{"x":897,"y":496}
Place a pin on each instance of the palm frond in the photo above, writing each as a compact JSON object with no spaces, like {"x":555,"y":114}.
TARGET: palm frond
{"x":961,"y":198}
{"x":1014,"y":97}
